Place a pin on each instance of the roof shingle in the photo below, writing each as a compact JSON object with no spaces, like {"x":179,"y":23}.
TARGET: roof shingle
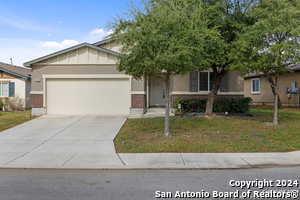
{"x":22,"y":71}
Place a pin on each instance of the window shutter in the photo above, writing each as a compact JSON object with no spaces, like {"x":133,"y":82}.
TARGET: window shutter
{"x":11,"y":89}
{"x":224,"y":83}
{"x":193,"y":81}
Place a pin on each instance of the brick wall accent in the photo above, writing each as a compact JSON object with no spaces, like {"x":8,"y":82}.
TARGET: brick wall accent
{"x":37,"y":100}
{"x":202,"y":96}
{"x":137,"y":101}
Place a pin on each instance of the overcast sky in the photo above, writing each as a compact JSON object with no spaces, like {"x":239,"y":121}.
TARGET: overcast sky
{"x":33,"y":28}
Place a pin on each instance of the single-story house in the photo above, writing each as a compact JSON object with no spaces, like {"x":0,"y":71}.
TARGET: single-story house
{"x":15,"y":80}
{"x":258,"y":88}
{"x":84,"y":79}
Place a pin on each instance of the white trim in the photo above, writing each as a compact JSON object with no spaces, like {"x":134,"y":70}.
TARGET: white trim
{"x":129,"y":93}
{"x":255,"y":92}
{"x":86,"y":76}
{"x":44,"y":94}
{"x":1,"y":90}
{"x":36,"y":92}
{"x":137,"y":92}
{"x":206,"y":93}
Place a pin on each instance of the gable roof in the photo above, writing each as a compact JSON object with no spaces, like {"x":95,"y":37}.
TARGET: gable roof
{"x":15,"y":70}
{"x":29,"y":63}
{"x":293,"y":67}
{"x":102,"y":42}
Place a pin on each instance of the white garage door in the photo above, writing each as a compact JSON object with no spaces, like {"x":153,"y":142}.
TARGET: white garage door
{"x":87,"y":96}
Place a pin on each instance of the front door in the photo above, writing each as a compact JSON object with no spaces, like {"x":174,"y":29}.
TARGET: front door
{"x":157,"y":92}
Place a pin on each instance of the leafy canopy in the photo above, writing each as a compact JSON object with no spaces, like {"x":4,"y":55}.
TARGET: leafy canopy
{"x":160,"y":36}
{"x":229,"y":17}
{"x":272,"y":42}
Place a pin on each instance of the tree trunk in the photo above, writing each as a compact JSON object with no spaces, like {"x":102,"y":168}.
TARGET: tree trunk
{"x":273,"y":90}
{"x":210,"y":102}
{"x":167,"y":103}
{"x":213,"y":93}
{"x":275,"y":119}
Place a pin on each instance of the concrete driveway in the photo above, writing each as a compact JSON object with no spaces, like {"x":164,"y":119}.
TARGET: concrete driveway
{"x":62,"y":140}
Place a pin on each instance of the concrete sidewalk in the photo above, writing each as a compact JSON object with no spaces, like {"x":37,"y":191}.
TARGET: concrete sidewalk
{"x":172,"y":161}
{"x":210,"y":160}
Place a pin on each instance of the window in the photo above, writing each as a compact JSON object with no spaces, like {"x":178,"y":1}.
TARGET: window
{"x":4,"y":90}
{"x":255,"y":85}
{"x":206,"y":81}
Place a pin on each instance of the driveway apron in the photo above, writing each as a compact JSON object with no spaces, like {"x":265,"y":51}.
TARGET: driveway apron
{"x":62,"y":140}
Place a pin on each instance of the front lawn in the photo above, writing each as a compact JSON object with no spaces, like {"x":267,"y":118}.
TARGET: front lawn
{"x":217,"y":134}
{"x":11,"y":119}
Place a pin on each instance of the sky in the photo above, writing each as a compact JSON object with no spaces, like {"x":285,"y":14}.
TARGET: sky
{"x":34,"y":28}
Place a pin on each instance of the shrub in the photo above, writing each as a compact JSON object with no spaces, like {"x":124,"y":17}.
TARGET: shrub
{"x":233,"y":105}
{"x":230,"y":105}
{"x":246,"y":104}
{"x":14,"y":103}
{"x":192,"y":104}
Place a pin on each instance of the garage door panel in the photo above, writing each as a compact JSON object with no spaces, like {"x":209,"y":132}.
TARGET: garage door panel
{"x":122,"y":92}
{"x":87,"y":96}
{"x":93,"y":101}
{"x":103,"y":100}
{"x":97,"y":91}
{"x":114,"y":101}
{"x":113,"y":91}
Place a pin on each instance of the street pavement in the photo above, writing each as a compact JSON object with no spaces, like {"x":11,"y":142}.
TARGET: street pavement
{"x":86,"y":142}
{"x":36,"y":184}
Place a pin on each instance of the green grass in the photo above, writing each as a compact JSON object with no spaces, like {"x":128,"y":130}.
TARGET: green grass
{"x":11,"y":119}
{"x":215,"y":134}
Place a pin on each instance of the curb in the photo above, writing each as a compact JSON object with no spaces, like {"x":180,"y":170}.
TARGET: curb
{"x":170,"y":167}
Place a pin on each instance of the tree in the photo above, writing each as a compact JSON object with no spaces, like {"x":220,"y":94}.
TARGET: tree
{"x":272,"y":42}
{"x":270,"y":80}
{"x":161,"y":37}
{"x":230,"y":17}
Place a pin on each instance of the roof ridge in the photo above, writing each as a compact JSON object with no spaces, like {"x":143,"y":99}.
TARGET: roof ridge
{"x":14,"y":65}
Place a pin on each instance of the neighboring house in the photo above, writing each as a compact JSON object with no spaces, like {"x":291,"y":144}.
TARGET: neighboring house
{"x":15,"y":80}
{"x":258,"y":88}
{"x":84,"y":79}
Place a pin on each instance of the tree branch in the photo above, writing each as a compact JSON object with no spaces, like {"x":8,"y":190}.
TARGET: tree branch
{"x":268,"y":77}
